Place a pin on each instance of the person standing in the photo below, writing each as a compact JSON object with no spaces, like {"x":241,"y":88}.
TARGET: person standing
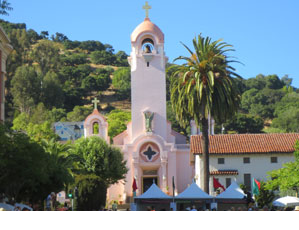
{"x":49,"y":201}
{"x":193,"y":208}
{"x":114,"y":206}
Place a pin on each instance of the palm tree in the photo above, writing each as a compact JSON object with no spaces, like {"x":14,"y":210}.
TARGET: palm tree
{"x":60,"y":160}
{"x":205,"y":86}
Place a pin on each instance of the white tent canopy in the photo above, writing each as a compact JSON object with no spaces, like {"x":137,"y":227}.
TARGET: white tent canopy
{"x":154,"y":192}
{"x":286,"y":201}
{"x":232,"y":192}
{"x":193,"y":192}
{"x":7,"y":207}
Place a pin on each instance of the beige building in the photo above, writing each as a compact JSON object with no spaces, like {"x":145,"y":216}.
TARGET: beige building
{"x":5,"y":49}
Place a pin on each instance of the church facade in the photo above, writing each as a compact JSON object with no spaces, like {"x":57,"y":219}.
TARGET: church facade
{"x":153,"y":151}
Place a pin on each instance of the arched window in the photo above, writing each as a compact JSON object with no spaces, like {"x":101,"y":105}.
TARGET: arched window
{"x":95,"y":128}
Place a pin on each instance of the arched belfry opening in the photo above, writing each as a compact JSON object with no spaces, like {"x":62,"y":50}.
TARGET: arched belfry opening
{"x":148,"y":45}
{"x":148,"y":49}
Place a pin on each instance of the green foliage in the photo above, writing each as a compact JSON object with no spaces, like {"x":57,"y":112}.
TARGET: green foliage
{"x":175,"y":125}
{"x":73,"y":96}
{"x":170,"y":69}
{"x":287,"y":177}
{"x":56,"y":115}
{"x":121,"y":81}
{"x":29,"y":171}
{"x":52,"y":93}
{"x":288,"y":121}
{"x":287,"y":81}
{"x":39,"y":114}
{"x":261,"y":102}
{"x":97,"y":157}
{"x":26,"y":88}
{"x":75,"y":74}
{"x":46,"y":54}
{"x":79,"y":113}
{"x":245,"y":123}
{"x":261,"y":95}
{"x":59,"y":37}
{"x":96,"y":128}
{"x":91,"y":46}
{"x":261,"y":82}
{"x":61,"y":161}
{"x":4,"y":7}
{"x":33,"y":36}
{"x":201,"y":85}
{"x":92,"y":192}
{"x":44,"y":34}
{"x":117,"y":121}
{"x":74,"y":59}
{"x":272,"y":130}
{"x":121,"y":59}
{"x":8,"y":26}
{"x":38,"y":126}
{"x":265,"y":197}
{"x":289,"y":101}
{"x":68,"y":44}
{"x":205,"y":86}
{"x":296,"y":153}
{"x":41,"y":131}
{"x":63,"y":76}
{"x":20,"y":163}
{"x":102,"y":57}
{"x":98,"y":81}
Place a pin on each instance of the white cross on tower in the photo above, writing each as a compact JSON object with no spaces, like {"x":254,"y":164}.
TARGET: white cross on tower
{"x":95,"y":101}
{"x":146,"y":7}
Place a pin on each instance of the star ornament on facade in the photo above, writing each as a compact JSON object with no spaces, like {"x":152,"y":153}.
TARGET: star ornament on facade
{"x":149,"y":153}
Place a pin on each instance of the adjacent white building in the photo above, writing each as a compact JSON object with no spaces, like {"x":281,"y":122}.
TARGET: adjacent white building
{"x":241,"y":157}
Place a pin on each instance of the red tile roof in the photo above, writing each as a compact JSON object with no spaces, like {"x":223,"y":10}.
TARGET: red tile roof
{"x":224,"y":172}
{"x":246,"y":143}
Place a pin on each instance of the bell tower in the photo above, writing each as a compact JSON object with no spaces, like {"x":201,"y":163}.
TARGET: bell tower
{"x":148,"y":82}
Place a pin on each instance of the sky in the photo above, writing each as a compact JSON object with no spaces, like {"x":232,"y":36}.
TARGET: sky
{"x":264,"y":33}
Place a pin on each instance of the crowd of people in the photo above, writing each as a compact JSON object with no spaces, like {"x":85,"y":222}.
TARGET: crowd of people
{"x":51,"y":204}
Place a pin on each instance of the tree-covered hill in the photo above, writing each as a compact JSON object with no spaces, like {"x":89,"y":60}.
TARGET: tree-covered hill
{"x":55,"y":71}
{"x":52,"y":78}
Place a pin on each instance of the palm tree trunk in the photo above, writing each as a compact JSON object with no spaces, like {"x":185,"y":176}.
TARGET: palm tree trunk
{"x":205,"y":154}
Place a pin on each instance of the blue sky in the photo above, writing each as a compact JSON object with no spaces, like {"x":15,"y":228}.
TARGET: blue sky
{"x":264,"y":33}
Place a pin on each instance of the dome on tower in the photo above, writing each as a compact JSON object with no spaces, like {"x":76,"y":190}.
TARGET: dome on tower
{"x":147,"y":27}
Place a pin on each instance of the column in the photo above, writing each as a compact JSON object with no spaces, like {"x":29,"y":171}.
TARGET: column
{"x":164,"y":174}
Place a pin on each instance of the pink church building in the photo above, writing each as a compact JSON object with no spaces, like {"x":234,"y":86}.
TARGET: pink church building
{"x":153,"y":151}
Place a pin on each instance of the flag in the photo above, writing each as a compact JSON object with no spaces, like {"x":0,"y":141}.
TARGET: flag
{"x":216,"y":184}
{"x":256,"y":186}
{"x":134,"y":186}
{"x":173,"y":185}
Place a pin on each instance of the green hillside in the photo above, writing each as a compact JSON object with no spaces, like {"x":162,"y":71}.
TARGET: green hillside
{"x":51,"y":78}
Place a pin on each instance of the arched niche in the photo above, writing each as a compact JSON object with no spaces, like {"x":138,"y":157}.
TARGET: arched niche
{"x":95,"y":127}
